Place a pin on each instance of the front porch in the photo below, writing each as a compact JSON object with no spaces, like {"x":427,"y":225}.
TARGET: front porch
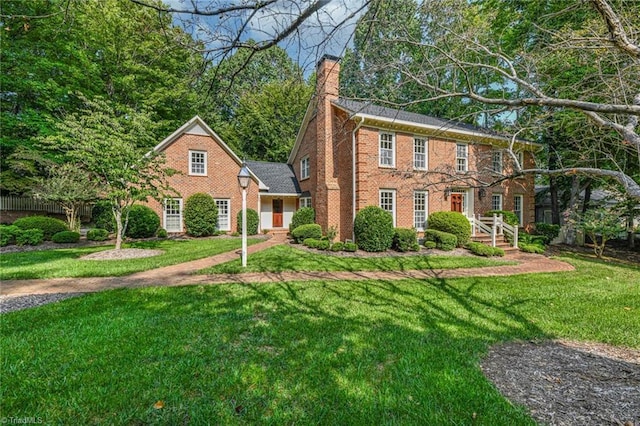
{"x":276,"y":211}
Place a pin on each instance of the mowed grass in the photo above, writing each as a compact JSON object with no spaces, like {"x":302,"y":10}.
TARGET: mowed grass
{"x":349,"y":352}
{"x":287,"y":258}
{"x":66,"y":263}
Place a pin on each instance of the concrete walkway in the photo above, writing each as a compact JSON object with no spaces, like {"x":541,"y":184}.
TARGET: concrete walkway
{"x":182,"y":274}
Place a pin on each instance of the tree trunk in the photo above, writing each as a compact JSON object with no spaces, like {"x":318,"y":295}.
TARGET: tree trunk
{"x":119,"y":228}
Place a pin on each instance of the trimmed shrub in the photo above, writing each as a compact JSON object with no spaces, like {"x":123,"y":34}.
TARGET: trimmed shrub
{"x":509,"y":217}
{"x":337,"y":246}
{"x":373,"y":228}
{"x":350,"y":247}
{"x":302,"y":232}
{"x":304,"y":216}
{"x":143,"y":222}
{"x":253,"y":221}
{"x":311,"y":242}
{"x":483,"y":249}
{"x":430,"y":244}
{"x":444,"y":240}
{"x":8,"y":234}
{"x":531,"y":248}
{"x":97,"y":234}
{"x":548,"y":231}
{"x":200,"y":215}
{"x":323,"y":245}
{"x":162,"y":233}
{"x":30,"y":237}
{"x":405,"y":239}
{"x":48,"y":225}
{"x":452,"y":222}
{"x":66,"y":237}
{"x":102,"y":216}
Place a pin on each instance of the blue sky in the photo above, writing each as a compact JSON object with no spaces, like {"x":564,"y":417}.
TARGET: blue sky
{"x":305,"y":46}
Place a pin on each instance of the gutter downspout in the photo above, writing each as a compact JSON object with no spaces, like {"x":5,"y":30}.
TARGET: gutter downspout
{"x":353,"y":176}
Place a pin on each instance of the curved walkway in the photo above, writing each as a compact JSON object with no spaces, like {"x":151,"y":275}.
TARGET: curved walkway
{"x":182,"y":274}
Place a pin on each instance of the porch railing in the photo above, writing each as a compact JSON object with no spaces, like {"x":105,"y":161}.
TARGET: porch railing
{"x":494,"y":226}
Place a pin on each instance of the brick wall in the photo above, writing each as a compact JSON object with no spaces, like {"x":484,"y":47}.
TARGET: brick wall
{"x":220,"y":182}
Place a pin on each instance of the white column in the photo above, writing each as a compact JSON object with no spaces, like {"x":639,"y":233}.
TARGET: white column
{"x":244,"y":227}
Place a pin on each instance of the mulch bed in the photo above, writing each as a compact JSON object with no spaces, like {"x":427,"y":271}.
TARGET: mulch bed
{"x":569,"y":383}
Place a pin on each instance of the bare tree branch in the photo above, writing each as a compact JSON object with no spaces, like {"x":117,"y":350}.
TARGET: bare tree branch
{"x":616,"y":30}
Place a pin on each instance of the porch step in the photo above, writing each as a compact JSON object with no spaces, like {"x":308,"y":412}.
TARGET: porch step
{"x":486,"y":239}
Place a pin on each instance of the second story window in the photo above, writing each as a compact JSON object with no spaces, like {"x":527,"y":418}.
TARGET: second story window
{"x":462,"y":157}
{"x":198,"y":163}
{"x":304,"y":168}
{"x":387,"y":150}
{"x":420,"y":154}
{"x":520,"y":157}
{"x":496,"y":162}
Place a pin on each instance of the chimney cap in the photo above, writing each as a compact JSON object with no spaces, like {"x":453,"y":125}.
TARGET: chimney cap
{"x":328,"y":57}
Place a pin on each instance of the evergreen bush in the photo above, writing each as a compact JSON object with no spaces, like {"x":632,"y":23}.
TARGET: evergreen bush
{"x":405,"y":239}
{"x":310,"y":230}
{"x":337,"y":246}
{"x":30,"y":237}
{"x":162,"y":233}
{"x":48,"y":225}
{"x":483,"y":249}
{"x":97,"y":234}
{"x":66,"y":237}
{"x":444,"y":240}
{"x":253,"y":221}
{"x":430,"y":244}
{"x":102,"y":216}
{"x":304,"y":216}
{"x":311,"y":242}
{"x":373,"y":228}
{"x":8,"y":234}
{"x":531,"y":248}
{"x":452,"y":222}
{"x":200,"y":215}
{"x":143,"y":222}
{"x":548,"y":231}
{"x":350,"y":247}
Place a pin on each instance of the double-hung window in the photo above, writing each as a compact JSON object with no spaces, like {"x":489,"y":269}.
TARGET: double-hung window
{"x":224,"y":214}
{"x":520,"y":157}
{"x":496,"y":202}
{"x":517,"y":207}
{"x":173,"y":214}
{"x":304,"y":168}
{"x":420,"y":154}
{"x":462,"y":157}
{"x":387,"y":154}
{"x":496,"y":162}
{"x":305,"y":202}
{"x":198,"y":163}
{"x":420,"y":209}
{"x":388,"y":202}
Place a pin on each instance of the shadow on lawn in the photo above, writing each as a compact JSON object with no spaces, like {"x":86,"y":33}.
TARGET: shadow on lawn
{"x":314,"y":352}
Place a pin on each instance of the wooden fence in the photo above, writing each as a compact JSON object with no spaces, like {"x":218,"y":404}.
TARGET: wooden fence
{"x":28,"y":204}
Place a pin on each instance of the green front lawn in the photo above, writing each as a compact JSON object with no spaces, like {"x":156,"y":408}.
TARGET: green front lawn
{"x":286,"y":258}
{"x":359,"y":352}
{"x":63,"y":263}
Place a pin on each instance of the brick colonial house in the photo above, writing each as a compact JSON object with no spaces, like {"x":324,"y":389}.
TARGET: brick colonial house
{"x":349,"y":155}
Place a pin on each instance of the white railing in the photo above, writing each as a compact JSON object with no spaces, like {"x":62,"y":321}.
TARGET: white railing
{"x":494,"y":226}
{"x":13,"y":203}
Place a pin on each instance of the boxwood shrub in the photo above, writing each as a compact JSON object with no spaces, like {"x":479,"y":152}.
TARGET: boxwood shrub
{"x":66,"y":237}
{"x":97,"y":234}
{"x":509,"y":217}
{"x":548,"y":231}
{"x":373,"y":228}
{"x":405,"y":239}
{"x":143,"y":222}
{"x":48,"y":225}
{"x":8,"y":234}
{"x":430,"y":244}
{"x":311,"y":242}
{"x":337,"y":246}
{"x":310,"y":230}
{"x":200,"y":215}
{"x":303,"y":216}
{"x":531,"y":248}
{"x":444,"y":240}
{"x":483,"y":249}
{"x":162,"y":233}
{"x":452,"y":222}
{"x":350,"y":247}
{"x":102,"y":216}
{"x":30,"y":237}
{"x":253,"y":221}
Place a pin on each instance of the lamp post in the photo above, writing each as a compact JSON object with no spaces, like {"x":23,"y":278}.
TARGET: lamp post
{"x":244,"y":177}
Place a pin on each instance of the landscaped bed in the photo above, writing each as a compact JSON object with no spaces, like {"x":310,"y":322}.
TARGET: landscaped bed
{"x":344,"y":352}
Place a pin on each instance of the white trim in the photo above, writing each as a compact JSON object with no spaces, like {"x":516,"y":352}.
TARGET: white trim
{"x":180,"y":215}
{"x":426,"y":209}
{"x":521,"y":213}
{"x":228,"y":202}
{"x":393,"y":149}
{"x":466,"y":157}
{"x":306,"y":201}
{"x":501,"y":202}
{"x":191,"y":163}
{"x":393,"y":202}
{"x":425,"y":153}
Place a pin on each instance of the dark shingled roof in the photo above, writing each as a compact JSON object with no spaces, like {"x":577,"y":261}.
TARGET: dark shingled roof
{"x":279,"y":177}
{"x":356,"y":107}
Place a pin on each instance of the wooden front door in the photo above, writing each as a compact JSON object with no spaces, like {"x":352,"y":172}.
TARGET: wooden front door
{"x":456,"y":203}
{"x":277,"y":213}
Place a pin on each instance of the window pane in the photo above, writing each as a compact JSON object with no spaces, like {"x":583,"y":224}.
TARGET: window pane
{"x":223,"y":215}
{"x":496,"y":163}
{"x":419,"y":154}
{"x":198,"y":163}
{"x":386,"y":149}
{"x":419,"y":210}
{"x":496,"y":202}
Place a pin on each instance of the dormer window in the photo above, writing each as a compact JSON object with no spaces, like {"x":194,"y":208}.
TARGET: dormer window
{"x":198,"y":163}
